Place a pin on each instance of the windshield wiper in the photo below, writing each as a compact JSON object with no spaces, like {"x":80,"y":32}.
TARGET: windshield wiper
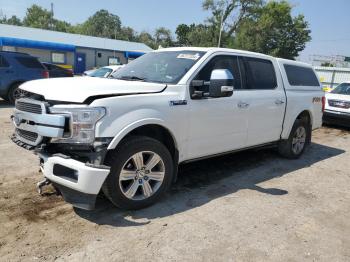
{"x":132,"y":78}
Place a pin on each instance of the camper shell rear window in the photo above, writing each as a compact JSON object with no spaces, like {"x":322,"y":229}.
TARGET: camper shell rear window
{"x":301,"y":76}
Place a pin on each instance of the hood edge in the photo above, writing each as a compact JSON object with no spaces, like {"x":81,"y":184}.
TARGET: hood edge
{"x":91,"y":99}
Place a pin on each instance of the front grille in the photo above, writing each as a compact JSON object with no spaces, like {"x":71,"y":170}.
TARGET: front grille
{"x":30,"y":136}
{"x":339,"y":104}
{"x":34,"y":124}
{"x":29,"y":107}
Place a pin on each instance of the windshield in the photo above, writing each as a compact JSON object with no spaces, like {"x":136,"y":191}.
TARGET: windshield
{"x":342,"y":89}
{"x":160,"y":67}
{"x":102,"y":72}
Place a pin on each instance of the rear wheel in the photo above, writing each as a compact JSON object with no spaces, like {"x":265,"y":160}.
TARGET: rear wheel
{"x":141,"y":172}
{"x":299,"y":138}
{"x":15,"y":93}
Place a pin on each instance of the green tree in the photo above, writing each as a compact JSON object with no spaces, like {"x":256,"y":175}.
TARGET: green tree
{"x":327,"y":64}
{"x":101,"y":24}
{"x":196,"y":35}
{"x":163,"y":37}
{"x":274,"y":31}
{"x":13,"y":20}
{"x":182,"y":34}
{"x":202,"y":35}
{"x":228,"y":14}
{"x":127,"y":33}
{"x":147,"y":38}
{"x":38,"y":17}
{"x":62,"y":26}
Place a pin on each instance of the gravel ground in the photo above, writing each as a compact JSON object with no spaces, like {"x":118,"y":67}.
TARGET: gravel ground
{"x":250,"y":206}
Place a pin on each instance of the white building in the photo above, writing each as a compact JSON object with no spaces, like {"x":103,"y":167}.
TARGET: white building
{"x":334,"y":60}
{"x":78,"y":52}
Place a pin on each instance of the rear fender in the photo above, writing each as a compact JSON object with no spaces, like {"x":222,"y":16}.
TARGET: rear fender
{"x":291,"y":120}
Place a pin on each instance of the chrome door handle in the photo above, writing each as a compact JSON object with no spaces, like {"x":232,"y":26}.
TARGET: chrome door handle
{"x":279,"y":102}
{"x":243,"y":105}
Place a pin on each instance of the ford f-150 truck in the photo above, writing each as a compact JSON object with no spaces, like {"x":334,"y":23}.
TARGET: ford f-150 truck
{"x":126,"y":135}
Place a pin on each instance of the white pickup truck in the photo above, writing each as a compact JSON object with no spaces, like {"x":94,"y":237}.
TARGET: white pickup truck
{"x":126,"y":135}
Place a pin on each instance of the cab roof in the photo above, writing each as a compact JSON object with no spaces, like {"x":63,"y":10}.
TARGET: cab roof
{"x":210,"y":50}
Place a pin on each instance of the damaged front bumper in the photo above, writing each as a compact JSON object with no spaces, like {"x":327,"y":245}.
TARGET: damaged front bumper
{"x":74,"y":169}
{"x":79,"y":183}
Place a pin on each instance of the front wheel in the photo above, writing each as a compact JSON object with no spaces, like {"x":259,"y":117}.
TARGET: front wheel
{"x":141,"y":172}
{"x":298,"y":139}
{"x":15,"y":93}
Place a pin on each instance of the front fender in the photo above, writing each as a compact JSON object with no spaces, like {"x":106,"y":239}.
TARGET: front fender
{"x":126,"y":130}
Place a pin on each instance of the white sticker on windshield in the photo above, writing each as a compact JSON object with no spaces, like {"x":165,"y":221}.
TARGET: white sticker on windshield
{"x":189,"y":56}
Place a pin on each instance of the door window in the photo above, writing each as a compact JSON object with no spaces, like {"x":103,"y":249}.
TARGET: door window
{"x":221,"y":62}
{"x":257,"y":73}
{"x":29,"y":62}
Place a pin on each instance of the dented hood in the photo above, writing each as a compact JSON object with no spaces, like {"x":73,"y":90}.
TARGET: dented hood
{"x":78,"y":89}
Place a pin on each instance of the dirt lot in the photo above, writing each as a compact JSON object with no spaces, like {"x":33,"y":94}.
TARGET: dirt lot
{"x":251,"y":206}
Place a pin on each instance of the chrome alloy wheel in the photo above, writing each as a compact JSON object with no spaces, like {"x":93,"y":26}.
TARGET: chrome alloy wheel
{"x":299,"y":140}
{"x":142,"y":175}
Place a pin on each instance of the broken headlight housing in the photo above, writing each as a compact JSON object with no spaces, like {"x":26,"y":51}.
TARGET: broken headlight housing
{"x":81,"y":120}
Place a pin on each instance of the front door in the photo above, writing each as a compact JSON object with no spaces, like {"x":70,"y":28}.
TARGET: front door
{"x":217,"y":125}
{"x":80,"y":63}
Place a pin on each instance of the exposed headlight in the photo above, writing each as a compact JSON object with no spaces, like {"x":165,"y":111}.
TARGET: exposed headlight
{"x":82,"y":122}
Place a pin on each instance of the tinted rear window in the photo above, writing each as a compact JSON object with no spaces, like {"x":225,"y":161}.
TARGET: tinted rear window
{"x":260,"y":74}
{"x":301,"y":76}
{"x":3,"y":62}
{"x":29,"y":62}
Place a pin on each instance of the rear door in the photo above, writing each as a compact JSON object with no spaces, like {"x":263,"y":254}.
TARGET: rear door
{"x":265,"y":99}
{"x":29,"y":68}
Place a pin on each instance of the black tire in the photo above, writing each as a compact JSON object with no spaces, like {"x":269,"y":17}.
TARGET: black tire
{"x":285,"y":147}
{"x":12,"y":96}
{"x":5,"y":98}
{"x":117,"y":160}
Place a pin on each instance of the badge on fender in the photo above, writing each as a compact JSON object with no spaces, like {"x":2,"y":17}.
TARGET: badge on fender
{"x":178,"y":103}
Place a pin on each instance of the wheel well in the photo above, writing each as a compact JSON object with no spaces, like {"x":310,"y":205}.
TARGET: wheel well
{"x":13,"y":84}
{"x":159,"y":133}
{"x":305,"y":115}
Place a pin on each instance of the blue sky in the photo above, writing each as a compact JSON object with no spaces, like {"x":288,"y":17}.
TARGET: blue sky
{"x":329,"y":20}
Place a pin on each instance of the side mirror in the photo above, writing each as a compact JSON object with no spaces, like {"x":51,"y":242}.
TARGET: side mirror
{"x":221,"y":83}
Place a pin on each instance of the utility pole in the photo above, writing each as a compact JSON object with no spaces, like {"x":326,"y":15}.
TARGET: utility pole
{"x":115,"y":38}
{"x":51,"y":22}
{"x":221,"y":25}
